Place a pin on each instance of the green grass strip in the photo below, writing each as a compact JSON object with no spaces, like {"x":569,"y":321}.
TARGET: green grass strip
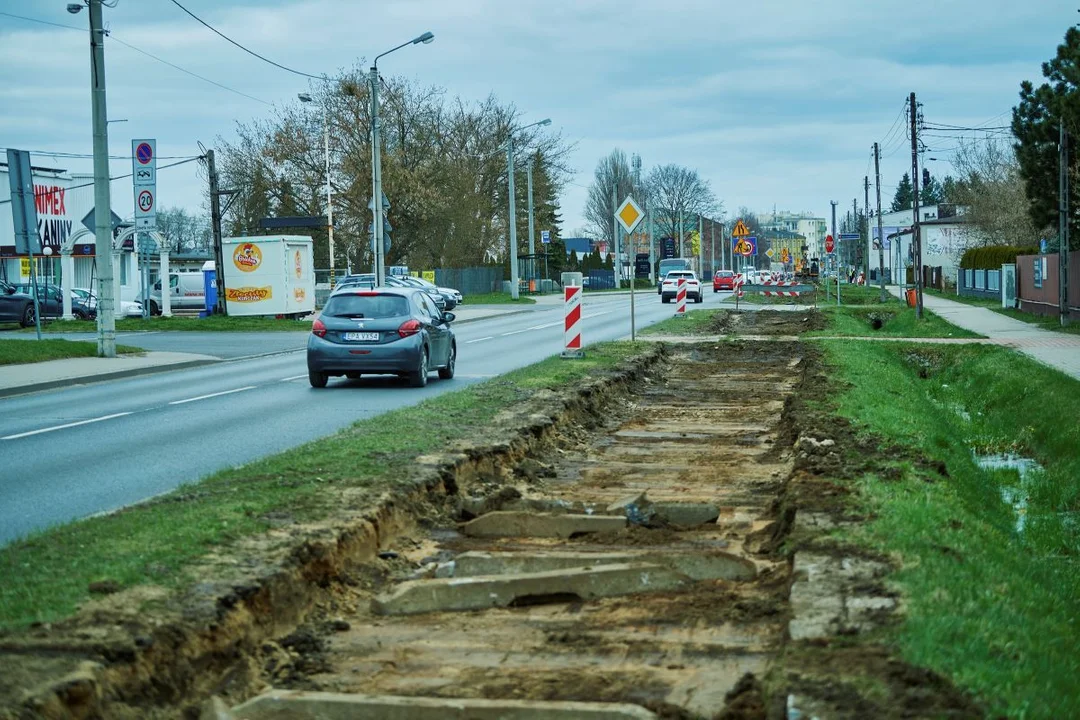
{"x":14,"y":352}
{"x":46,"y":575}
{"x":995,"y":608}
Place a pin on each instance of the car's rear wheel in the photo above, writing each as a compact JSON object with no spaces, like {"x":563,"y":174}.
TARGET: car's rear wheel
{"x":447,"y":372}
{"x":155,"y":310}
{"x":699,"y":298}
{"x":419,"y":378}
{"x":317,"y":379}
{"x":27,"y":316}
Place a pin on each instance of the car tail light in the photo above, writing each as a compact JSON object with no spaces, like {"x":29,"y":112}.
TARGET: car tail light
{"x":318,"y":328}
{"x":409,"y":327}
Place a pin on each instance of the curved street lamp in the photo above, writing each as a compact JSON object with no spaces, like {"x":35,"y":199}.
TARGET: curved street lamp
{"x":376,"y":160}
{"x":514,"y":294}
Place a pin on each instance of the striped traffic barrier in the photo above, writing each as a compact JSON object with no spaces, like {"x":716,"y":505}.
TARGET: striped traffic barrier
{"x":680,"y":299}
{"x":572,"y":322}
{"x":781,"y":293}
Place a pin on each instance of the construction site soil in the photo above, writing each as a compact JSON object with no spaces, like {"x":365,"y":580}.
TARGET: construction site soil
{"x":660,"y":542}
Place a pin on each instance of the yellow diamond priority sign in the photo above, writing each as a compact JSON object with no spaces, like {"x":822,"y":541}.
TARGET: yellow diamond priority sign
{"x":629,"y":215}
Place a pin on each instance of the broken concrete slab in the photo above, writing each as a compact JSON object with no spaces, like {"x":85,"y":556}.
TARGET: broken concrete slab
{"x":509,"y":523}
{"x":300,"y":705}
{"x":487,"y":591}
{"x":686,"y":514}
{"x":695,"y":564}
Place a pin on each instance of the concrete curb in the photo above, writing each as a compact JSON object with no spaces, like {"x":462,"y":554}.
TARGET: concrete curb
{"x":102,"y":377}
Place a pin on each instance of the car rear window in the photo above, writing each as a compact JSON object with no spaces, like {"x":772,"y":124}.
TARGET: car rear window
{"x":726,"y":273}
{"x":368,"y":306}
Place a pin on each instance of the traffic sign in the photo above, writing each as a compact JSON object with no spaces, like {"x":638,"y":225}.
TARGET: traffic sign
{"x":145,"y":175}
{"x":745,"y":246}
{"x":89,"y":219}
{"x":545,"y":237}
{"x":829,"y":244}
{"x":629,"y":215}
{"x":785,"y":255}
{"x":740,"y":230}
{"x":850,"y":236}
{"x":144,"y":152}
{"x":770,"y":253}
{"x":145,"y":214}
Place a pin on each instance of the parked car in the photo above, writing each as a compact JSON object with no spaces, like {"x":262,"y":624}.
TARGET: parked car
{"x":128,"y":308}
{"x":51,"y":302}
{"x":670,"y":287}
{"x":15,"y":306}
{"x":400,"y":281}
{"x":451,"y":297}
{"x":723,"y":280}
{"x":389,"y":330}
{"x":363,"y":281}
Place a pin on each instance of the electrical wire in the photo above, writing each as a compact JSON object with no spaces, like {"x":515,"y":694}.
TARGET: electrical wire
{"x":89,"y":156}
{"x":120,"y":177}
{"x":140,"y":50}
{"x":249,"y":52}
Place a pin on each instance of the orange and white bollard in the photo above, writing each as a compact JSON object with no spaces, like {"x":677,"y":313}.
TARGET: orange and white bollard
{"x":572,"y":322}
{"x":680,"y":299}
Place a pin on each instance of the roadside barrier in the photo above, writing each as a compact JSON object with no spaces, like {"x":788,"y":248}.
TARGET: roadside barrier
{"x":680,"y":299}
{"x":781,"y":293}
{"x":572,"y":322}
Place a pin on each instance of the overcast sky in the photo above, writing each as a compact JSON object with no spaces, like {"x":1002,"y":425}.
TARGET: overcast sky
{"x":775,"y":102}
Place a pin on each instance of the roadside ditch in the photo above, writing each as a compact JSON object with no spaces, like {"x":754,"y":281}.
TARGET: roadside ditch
{"x":661,"y":542}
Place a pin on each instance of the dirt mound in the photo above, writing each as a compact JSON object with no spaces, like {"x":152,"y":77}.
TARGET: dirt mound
{"x":766,"y":322}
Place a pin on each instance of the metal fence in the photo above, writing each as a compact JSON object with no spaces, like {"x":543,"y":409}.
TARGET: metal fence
{"x":472,"y":280}
{"x":600,"y":279}
{"x":979,"y":283}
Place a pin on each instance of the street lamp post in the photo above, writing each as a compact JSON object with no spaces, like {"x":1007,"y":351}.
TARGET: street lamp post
{"x":306,"y":98}
{"x":376,"y":160}
{"x":106,"y":316}
{"x":514,"y":294}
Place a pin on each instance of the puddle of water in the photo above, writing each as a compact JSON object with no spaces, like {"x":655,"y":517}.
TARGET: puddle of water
{"x":1015,"y":496}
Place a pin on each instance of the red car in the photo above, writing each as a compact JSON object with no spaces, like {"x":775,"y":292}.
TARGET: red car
{"x":723,"y":280}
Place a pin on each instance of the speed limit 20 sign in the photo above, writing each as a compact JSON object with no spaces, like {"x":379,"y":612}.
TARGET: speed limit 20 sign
{"x":144,"y":181}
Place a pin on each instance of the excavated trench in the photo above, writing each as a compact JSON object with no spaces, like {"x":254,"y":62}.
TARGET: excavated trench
{"x":621,"y":570}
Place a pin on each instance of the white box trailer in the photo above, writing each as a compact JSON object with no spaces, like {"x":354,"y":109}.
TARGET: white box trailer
{"x":268,"y":275}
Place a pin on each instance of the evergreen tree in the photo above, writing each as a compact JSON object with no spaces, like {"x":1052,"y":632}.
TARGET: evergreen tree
{"x":905,"y":194}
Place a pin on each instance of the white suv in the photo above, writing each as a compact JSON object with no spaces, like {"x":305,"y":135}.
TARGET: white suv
{"x":670,"y":286}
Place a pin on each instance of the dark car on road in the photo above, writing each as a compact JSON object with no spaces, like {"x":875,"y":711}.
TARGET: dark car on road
{"x":15,"y":306}
{"x":389,"y":330}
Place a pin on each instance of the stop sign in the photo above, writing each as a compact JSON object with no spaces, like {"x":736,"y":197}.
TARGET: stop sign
{"x":829,"y":244}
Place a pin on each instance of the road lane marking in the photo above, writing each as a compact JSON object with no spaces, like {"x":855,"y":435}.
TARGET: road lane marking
{"x":212,"y":395}
{"x":489,"y":337}
{"x":515,"y":332}
{"x":541,"y":327}
{"x":606,"y":312}
{"x":294,"y":377}
{"x":66,"y":425}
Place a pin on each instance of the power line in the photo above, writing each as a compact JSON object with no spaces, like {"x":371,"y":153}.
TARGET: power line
{"x":139,"y":50}
{"x":249,"y":52}
{"x":88,"y":156}
{"x":121,"y":177}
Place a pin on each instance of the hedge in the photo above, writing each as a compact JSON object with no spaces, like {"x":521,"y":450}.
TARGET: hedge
{"x":993,"y":257}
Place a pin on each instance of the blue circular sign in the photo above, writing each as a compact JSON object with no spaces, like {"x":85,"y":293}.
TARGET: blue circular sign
{"x":144,"y":153}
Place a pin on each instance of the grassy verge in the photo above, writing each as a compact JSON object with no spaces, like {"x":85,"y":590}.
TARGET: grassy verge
{"x":14,"y":352}
{"x":896,"y":321}
{"x":1048,"y":322}
{"x":214,"y":323}
{"x":496,"y":299}
{"x":995,"y":608}
{"x":46,"y":575}
{"x":696,"y":322}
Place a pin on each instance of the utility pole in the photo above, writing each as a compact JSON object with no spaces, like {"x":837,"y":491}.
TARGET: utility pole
{"x":712,"y":244}
{"x":106,"y":316}
{"x":701,"y":246}
{"x":215,"y":227}
{"x":652,"y":245}
{"x":329,"y":197}
{"x":514,"y":295}
{"x":377,"y":230}
{"x":865,"y":229}
{"x":617,"y":265}
{"x":682,"y":250}
{"x":1063,"y":226}
{"x":915,"y":207}
{"x":880,"y":231}
{"x":532,"y":226}
{"x":836,"y":254}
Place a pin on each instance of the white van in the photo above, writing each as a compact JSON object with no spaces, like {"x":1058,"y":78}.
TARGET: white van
{"x":186,"y":291}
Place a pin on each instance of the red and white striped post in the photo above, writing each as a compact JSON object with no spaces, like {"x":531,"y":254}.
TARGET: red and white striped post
{"x":680,"y":299}
{"x":572,"y":322}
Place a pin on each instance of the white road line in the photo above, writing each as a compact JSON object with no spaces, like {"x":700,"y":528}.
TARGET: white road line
{"x":67,"y":425}
{"x":217,"y":394}
{"x":294,"y":377}
{"x":606,"y":312}
{"x":489,"y":337}
{"x":541,"y":327}
{"x":515,"y":332}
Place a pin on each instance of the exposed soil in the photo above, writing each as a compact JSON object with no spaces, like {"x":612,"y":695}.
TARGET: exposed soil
{"x":743,"y":426}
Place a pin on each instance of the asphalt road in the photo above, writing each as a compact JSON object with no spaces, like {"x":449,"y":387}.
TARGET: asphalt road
{"x":88,"y":449}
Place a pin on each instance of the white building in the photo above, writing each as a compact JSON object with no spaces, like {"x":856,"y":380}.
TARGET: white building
{"x":945,"y":235}
{"x":62,"y":200}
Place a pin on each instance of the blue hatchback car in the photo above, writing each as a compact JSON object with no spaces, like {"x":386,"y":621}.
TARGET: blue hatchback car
{"x":386,"y":330}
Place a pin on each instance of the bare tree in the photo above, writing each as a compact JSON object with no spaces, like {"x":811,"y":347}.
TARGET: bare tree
{"x":185,"y":232}
{"x":613,"y":176}
{"x":991,"y":188}
{"x":677,"y":195}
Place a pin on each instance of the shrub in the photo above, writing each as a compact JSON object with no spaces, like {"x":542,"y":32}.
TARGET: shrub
{"x":993,"y":257}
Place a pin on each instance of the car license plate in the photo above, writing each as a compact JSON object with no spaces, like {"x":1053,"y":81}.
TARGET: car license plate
{"x":362,"y":337}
